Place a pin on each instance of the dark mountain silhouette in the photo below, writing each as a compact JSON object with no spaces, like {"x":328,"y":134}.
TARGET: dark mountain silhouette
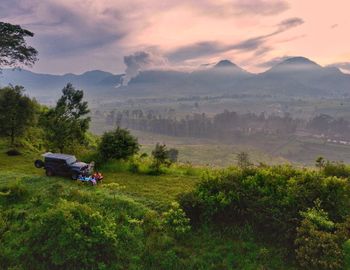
{"x":297,"y":76}
{"x":301,"y":76}
{"x":49,"y":86}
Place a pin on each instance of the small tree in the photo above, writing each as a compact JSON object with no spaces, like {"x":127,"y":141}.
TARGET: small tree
{"x":160,"y":157}
{"x":66,"y":124}
{"x":243,"y":160}
{"x":320,"y":162}
{"x":16,"y":112}
{"x":118,"y":144}
{"x":14,"y":50}
{"x":317,"y":245}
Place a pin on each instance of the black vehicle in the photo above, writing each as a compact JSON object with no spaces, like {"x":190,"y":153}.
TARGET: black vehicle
{"x":64,"y":165}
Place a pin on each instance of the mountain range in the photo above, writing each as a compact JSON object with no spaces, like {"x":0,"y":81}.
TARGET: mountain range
{"x":293,"y":77}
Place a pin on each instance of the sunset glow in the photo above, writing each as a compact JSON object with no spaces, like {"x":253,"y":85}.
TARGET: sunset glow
{"x":78,"y":35}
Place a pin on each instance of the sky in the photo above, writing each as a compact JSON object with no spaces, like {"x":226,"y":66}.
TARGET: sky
{"x":74,"y":36}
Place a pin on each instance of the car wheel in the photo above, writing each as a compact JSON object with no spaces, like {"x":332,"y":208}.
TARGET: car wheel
{"x":49,"y":172}
{"x":38,"y":163}
{"x":74,"y":176}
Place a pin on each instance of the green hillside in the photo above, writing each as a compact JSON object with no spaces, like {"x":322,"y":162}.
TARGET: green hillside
{"x":135,"y":207}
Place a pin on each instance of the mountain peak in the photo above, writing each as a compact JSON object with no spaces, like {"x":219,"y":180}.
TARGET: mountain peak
{"x":299,"y":60}
{"x":224,"y":64}
{"x":295,"y":64}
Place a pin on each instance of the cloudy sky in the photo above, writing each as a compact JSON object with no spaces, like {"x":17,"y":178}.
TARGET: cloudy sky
{"x":80,"y":35}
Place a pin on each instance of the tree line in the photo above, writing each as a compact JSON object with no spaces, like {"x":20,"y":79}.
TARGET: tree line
{"x":228,"y":124}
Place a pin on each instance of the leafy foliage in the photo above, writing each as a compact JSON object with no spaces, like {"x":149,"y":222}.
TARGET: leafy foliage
{"x":160,"y":157}
{"x":14,"y":50}
{"x":176,"y":221}
{"x":337,"y":169}
{"x":118,"y":144}
{"x":16,"y":112}
{"x":318,"y":247}
{"x":66,"y":125}
{"x":72,"y":236}
{"x":271,"y":198}
{"x":346,"y":251}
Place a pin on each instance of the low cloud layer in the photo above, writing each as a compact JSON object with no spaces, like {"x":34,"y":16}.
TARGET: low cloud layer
{"x":274,"y":61}
{"x":344,"y":66}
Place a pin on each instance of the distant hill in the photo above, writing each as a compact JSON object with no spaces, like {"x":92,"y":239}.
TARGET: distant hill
{"x":46,"y":86}
{"x":297,"y":76}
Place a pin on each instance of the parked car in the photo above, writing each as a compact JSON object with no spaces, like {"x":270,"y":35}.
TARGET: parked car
{"x":64,"y":165}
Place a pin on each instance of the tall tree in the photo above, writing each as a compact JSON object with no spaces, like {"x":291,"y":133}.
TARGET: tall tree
{"x":14,"y":50}
{"x":66,"y":124}
{"x":16,"y":112}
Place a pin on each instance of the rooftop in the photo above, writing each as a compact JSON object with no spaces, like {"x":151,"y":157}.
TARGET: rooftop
{"x":57,"y":156}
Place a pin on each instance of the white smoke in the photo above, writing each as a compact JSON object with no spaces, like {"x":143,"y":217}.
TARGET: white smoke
{"x":142,"y":60}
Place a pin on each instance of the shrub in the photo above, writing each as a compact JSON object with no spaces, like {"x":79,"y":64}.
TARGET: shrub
{"x":337,"y":169}
{"x":269,"y":198}
{"x":192,"y":206}
{"x":175,"y":220}
{"x":118,"y":144}
{"x":346,"y":251}
{"x":74,"y":236}
{"x":318,"y":247}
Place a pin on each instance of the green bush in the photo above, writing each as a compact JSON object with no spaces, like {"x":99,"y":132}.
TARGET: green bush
{"x":175,"y":220}
{"x":117,"y":144}
{"x":346,"y":251}
{"x":270,"y":198}
{"x":337,"y":169}
{"x":192,"y":206}
{"x":74,"y":236}
{"x":318,"y":247}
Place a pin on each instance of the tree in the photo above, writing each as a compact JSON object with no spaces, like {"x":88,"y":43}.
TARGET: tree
{"x":118,"y":144}
{"x":16,"y":112}
{"x":14,"y":50}
{"x":66,"y":125}
{"x":160,"y":157}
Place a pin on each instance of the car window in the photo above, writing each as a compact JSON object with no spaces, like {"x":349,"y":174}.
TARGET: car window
{"x":71,"y":160}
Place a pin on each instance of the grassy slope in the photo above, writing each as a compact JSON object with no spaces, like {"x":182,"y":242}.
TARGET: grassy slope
{"x":208,"y":248}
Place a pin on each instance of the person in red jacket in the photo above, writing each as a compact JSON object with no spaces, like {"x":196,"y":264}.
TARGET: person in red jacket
{"x":97,"y":176}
